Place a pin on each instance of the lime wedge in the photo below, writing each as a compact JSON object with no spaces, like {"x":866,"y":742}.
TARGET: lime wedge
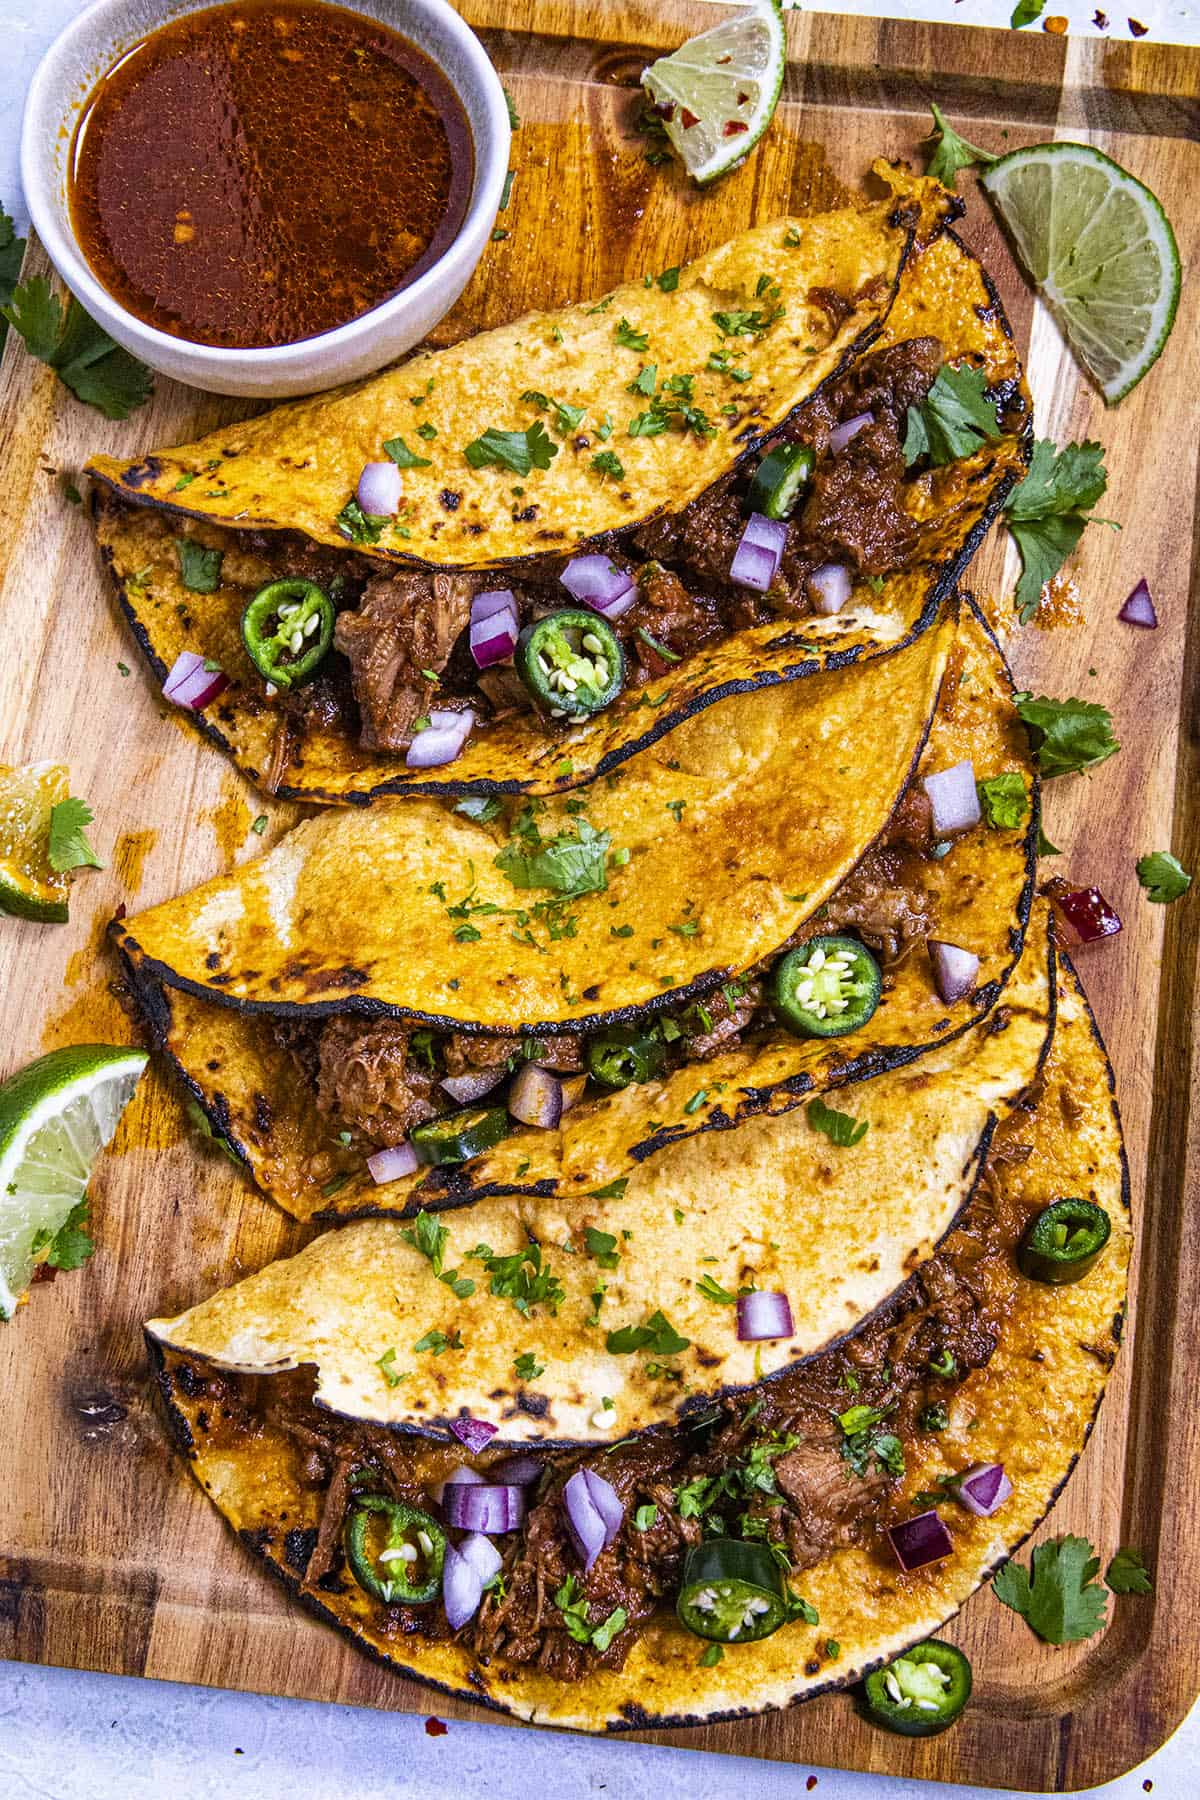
{"x":717,"y":93}
{"x":55,"y":1118}
{"x":29,"y":887}
{"x":1100,"y":248}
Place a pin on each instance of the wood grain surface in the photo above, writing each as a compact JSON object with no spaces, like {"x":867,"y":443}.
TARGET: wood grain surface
{"x":110,"y":1558}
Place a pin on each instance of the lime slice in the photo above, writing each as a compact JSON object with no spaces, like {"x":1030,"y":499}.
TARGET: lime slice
{"x":55,"y":1118}
{"x":29,"y":887}
{"x":717,"y":93}
{"x":1100,"y":248}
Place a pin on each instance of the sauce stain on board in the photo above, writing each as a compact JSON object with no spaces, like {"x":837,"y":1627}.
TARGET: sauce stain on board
{"x":133,"y":847}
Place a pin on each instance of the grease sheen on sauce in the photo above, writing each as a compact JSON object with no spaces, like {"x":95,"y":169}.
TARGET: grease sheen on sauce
{"x":254,"y":174}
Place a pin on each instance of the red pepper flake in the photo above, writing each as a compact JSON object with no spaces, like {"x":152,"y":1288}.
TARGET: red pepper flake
{"x":436,"y":1728}
{"x":1056,"y":25}
{"x":1100,"y":20}
{"x":1137,"y":29}
{"x":689,"y":119}
{"x":734,"y":126}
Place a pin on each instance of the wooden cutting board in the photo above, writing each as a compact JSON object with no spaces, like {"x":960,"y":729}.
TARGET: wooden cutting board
{"x":110,"y":1558}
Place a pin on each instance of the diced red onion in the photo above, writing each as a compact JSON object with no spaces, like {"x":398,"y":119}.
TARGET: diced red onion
{"x":442,"y":739}
{"x":473,"y":1434}
{"x":954,"y":970}
{"x":758,"y":555}
{"x":191,"y":684}
{"x":1139,"y":608}
{"x":594,"y":1514}
{"x":983,"y":1489}
{"x":468,"y":1088}
{"x":379,"y":489}
{"x":462,"y":1588}
{"x":921,"y":1540}
{"x":482,"y":1555}
{"x":535,"y":1097}
{"x":495,"y":627}
{"x":390,"y":1165}
{"x":517,"y":1471}
{"x":572,"y":1090}
{"x":829,"y":588}
{"x":763,"y":1314}
{"x":483,"y":1506}
{"x":598,"y":582}
{"x":1087,"y":912}
{"x":849,"y":429}
{"x":954,"y":799}
{"x":460,"y":1477}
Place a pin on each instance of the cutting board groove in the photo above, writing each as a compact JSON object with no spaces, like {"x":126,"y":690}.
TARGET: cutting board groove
{"x":109,"y":1556}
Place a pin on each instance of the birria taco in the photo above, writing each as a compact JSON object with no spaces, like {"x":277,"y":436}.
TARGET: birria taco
{"x":813,"y":1524}
{"x":591,"y":523}
{"x":450,"y":1005}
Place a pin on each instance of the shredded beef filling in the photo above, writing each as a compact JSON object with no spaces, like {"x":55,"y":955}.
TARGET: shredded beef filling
{"x":776,"y":1463}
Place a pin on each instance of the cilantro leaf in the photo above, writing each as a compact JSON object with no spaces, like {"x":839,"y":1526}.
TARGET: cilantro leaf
{"x":602,"y":1247}
{"x":712,"y":1290}
{"x":1004,"y":800}
{"x":387,"y":1368}
{"x":519,"y":451}
{"x":951,"y":152}
{"x":527,"y":1366}
{"x":566,"y":864}
{"x":1046,"y":513}
{"x":668,"y":281}
{"x":69,"y":848}
{"x":12,"y":249}
{"x":645,"y":1517}
{"x":438,"y":1342}
{"x":480,"y":807}
{"x":81,"y":353}
{"x":604,"y":1634}
{"x":521,"y":1278}
{"x":1025,"y":12}
{"x":840,"y":1128}
{"x":629,"y":337}
{"x":745,"y":324}
{"x":574,"y":1608}
{"x":1068,"y":735}
{"x":657,"y":1335}
{"x":359,"y":526}
{"x":70,"y":1246}
{"x":954,"y":418}
{"x":430,"y":1238}
{"x":199,"y":567}
{"x":514,"y":117}
{"x":1058,"y":1598}
{"x":403,"y":457}
{"x":1127,"y":1573}
{"x":607,"y":462}
{"x":1163,"y":878}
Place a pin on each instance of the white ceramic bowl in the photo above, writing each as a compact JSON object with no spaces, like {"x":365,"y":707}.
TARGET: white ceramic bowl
{"x":57,"y":95}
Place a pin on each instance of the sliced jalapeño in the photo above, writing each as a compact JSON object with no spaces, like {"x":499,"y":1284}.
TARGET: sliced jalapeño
{"x":780,"y":476}
{"x":732,"y":1592}
{"x":1064,"y":1241}
{"x":571,"y":662}
{"x":826,"y":987}
{"x":395,"y":1551}
{"x":922,"y":1692}
{"x":459,"y":1136}
{"x":287,"y":630}
{"x":623,"y":1056}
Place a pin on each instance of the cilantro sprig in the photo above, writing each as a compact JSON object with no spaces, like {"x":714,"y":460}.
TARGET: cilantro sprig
{"x":83,"y":356}
{"x":69,"y":848}
{"x":840,"y":1128}
{"x":519,"y":451}
{"x":1058,"y":1595}
{"x":1047,"y":512}
{"x":950,"y":151}
{"x":1164,"y":878}
{"x":953,"y":420}
{"x":1068,"y":735}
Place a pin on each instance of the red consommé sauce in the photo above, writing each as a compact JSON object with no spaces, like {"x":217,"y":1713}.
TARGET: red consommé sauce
{"x":254,"y":174}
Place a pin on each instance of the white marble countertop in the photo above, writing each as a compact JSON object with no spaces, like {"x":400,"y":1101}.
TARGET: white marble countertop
{"x":73,"y":1736}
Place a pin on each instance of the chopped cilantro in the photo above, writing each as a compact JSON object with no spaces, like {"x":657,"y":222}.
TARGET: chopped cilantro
{"x":615,"y":1190}
{"x":863,"y":1442}
{"x":521,"y":1278}
{"x":199,"y":567}
{"x":430,"y":1238}
{"x":1127,"y":1573}
{"x":358,"y":526}
{"x":953,"y":420}
{"x":629,"y":337}
{"x":657,"y":1335}
{"x":745,"y":324}
{"x":712,"y":1290}
{"x":574,"y":1608}
{"x":1163,"y":878}
{"x":514,"y":117}
{"x":70,"y":1246}
{"x":951,"y":152}
{"x":480,"y":807}
{"x":1025,"y":12}
{"x":506,"y":194}
{"x":676,"y":807}
{"x":438,"y":1342}
{"x":387,"y":1368}
{"x":1058,"y":1596}
{"x":403,"y":457}
{"x":645,"y":381}
{"x":607,"y":462}
{"x":1068,"y":735}
{"x":696,"y":1102}
{"x":519,"y":451}
{"x":1004,"y":800}
{"x":528,"y":1367}
{"x":840,"y":1128}
{"x":668,"y":281}
{"x":567,"y":864}
{"x":69,"y":848}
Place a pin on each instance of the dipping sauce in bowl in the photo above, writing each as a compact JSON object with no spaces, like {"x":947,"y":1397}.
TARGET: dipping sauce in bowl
{"x":255,"y":174}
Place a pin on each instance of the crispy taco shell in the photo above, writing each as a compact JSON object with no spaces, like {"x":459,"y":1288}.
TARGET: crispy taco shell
{"x":1030,"y":1406}
{"x":300,"y":935}
{"x":292,"y":469}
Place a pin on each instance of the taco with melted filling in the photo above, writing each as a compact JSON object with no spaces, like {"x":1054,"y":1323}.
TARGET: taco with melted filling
{"x":421,"y":1005}
{"x":602,"y":519}
{"x":584,"y":1584}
